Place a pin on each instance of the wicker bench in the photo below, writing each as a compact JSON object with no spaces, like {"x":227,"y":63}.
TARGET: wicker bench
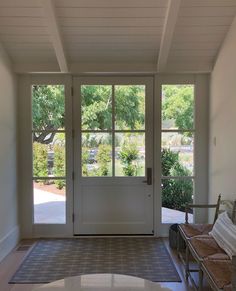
{"x":209,"y":256}
{"x":187,"y":231}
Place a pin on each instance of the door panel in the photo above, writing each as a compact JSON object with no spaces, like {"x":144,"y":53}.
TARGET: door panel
{"x":111,"y":208}
{"x":113,"y":148}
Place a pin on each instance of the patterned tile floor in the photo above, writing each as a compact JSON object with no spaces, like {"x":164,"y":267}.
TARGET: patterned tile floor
{"x":54,"y":259}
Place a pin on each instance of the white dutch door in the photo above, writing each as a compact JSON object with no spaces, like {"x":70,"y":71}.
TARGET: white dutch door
{"x":113,"y":147}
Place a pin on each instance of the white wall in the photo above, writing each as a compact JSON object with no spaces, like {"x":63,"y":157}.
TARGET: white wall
{"x":222,"y":151}
{"x":9,"y":231}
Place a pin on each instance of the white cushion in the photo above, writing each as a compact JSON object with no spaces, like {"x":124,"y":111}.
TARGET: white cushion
{"x":224,"y":233}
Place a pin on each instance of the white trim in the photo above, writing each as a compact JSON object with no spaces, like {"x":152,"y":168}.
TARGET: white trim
{"x":9,"y":241}
{"x":5,"y":57}
{"x":168,"y":32}
{"x":139,"y":68}
{"x":53,"y":27}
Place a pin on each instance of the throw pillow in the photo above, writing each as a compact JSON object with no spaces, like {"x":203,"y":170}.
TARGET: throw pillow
{"x":224,"y":233}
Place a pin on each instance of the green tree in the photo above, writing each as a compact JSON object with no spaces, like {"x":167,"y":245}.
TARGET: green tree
{"x":178,"y":105}
{"x":130,"y":106}
{"x":97,"y":106}
{"x":48,"y":109}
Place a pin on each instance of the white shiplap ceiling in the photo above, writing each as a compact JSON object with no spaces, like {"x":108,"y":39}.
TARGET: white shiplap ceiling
{"x":115,"y":36}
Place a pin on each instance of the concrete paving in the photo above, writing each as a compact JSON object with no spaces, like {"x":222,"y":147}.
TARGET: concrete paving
{"x":49,"y":207}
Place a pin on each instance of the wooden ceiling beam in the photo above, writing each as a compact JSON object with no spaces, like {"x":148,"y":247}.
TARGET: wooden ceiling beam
{"x":168,"y":32}
{"x":52,"y":24}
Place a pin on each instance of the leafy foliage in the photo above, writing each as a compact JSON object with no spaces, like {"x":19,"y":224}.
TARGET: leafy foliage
{"x":128,"y":155}
{"x":178,"y":105}
{"x":40,"y":159}
{"x":48,"y":110}
{"x":130,"y":107}
{"x":85,"y":161}
{"x":103,"y":159}
{"x":175,"y":192}
{"x":97,"y":107}
{"x":59,"y":164}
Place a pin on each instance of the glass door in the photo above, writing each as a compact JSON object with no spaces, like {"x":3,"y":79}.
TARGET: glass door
{"x":113,"y":149}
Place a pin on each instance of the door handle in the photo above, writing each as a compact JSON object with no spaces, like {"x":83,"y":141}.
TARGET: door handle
{"x":149,"y":177}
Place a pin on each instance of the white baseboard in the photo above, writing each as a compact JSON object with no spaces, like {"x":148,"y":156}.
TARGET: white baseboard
{"x":8,"y":242}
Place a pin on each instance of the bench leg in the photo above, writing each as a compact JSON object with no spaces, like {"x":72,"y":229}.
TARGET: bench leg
{"x":200,"y":278}
{"x":187,"y":262}
{"x":178,"y":244}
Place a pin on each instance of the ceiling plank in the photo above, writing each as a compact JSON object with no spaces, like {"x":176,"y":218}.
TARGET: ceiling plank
{"x":168,"y":32}
{"x":53,"y":27}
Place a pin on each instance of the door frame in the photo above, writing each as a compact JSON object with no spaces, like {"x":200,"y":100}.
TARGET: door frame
{"x":29,"y":228}
{"x":201,"y":138}
{"x":25,"y":202}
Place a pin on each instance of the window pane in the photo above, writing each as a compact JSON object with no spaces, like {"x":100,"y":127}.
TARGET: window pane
{"x":48,"y":154}
{"x":175,"y":194}
{"x":130,"y":154}
{"x":130,"y":107}
{"x":49,"y":201}
{"x":177,"y":106}
{"x":48,"y":107}
{"x":96,"y":154}
{"x":177,"y":154}
{"x":96,"y":106}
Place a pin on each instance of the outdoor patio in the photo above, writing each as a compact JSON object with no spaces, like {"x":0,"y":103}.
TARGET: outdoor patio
{"x":50,"y":208}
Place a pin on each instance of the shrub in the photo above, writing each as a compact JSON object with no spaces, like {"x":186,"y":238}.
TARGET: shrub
{"x":85,"y":160}
{"x":129,"y":155}
{"x":103,"y":159}
{"x":59,"y":165}
{"x":40,"y":160}
{"x":175,"y":192}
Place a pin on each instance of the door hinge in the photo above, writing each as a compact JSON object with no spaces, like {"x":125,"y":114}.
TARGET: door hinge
{"x":72,"y":91}
{"x":153,"y":231}
{"x":73,"y":175}
{"x":73,"y":217}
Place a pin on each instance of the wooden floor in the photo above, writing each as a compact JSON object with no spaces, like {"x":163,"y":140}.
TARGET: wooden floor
{"x":10,"y":264}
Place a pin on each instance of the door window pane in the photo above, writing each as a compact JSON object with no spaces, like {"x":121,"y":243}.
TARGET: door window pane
{"x":177,"y":154}
{"x":96,"y":107}
{"x":49,"y":201}
{"x":49,"y":157}
{"x":48,"y":154}
{"x":175,"y":194}
{"x":130,"y":107}
{"x":177,"y":106}
{"x":48,"y":107}
{"x":96,"y":154}
{"x":130,"y":154}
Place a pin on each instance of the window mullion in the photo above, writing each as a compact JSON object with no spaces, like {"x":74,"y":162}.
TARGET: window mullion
{"x":113,"y":130}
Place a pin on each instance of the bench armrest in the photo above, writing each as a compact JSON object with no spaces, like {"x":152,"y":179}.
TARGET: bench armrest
{"x":216,"y":206}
